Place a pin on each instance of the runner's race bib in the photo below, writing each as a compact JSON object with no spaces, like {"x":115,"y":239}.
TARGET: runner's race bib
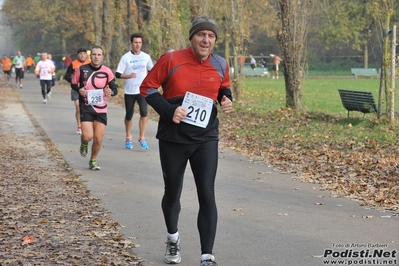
{"x":198,"y":108}
{"x":95,"y":97}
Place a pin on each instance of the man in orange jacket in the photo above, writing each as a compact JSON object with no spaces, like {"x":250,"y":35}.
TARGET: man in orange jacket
{"x":83,"y":59}
{"x":29,"y":63}
{"x":6,"y":64}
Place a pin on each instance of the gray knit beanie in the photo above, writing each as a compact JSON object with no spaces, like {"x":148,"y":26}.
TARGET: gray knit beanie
{"x":203,"y":23}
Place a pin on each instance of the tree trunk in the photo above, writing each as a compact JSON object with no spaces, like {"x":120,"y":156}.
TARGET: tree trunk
{"x":129,"y":18}
{"x":381,"y":88}
{"x":120,"y":42}
{"x":199,"y":7}
{"x":143,"y":20}
{"x":107,"y":29}
{"x":391,"y":110}
{"x":366,"y":56}
{"x":295,"y":15}
{"x":144,"y":10}
{"x":235,"y":32}
{"x":63,"y":44}
{"x":96,"y":7}
{"x":386,"y":59}
{"x":387,"y":11}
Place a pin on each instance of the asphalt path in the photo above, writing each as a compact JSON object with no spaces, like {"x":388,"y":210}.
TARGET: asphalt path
{"x":265,"y":217}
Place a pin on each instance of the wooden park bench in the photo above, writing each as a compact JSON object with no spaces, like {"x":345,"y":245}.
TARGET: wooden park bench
{"x":257,"y":72}
{"x":361,"y":101}
{"x":371,"y":72}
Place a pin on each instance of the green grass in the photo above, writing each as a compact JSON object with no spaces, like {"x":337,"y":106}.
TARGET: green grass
{"x":60,"y":73}
{"x":318,"y":73}
{"x":353,"y":156}
{"x":319,"y":95}
{"x":322,"y":119}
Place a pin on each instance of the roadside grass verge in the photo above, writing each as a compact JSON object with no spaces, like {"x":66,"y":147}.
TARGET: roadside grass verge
{"x":323,"y":115}
{"x":356,"y":157}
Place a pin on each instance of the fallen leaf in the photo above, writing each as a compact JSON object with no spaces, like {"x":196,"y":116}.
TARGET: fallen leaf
{"x":367,"y":216}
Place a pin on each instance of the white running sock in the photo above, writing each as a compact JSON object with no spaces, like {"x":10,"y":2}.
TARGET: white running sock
{"x":173,"y":237}
{"x":207,"y":257}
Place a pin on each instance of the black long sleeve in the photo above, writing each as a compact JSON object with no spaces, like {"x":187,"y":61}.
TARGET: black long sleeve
{"x":68,"y":74}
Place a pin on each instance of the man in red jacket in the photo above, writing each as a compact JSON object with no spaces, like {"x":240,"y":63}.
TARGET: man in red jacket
{"x":67,"y":61}
{"x":194,"y":81}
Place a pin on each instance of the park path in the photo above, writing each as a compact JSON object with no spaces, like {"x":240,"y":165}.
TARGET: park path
{"x":265,"y":217}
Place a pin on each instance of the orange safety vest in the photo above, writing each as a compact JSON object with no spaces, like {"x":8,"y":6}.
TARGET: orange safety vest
{"x":30,"y":61}
{"x":76,"y":63}
{"x":7,"y":63}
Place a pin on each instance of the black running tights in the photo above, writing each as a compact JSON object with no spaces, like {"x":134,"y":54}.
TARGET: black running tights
{"x":203,"y":158}
{"x":46,"y":87}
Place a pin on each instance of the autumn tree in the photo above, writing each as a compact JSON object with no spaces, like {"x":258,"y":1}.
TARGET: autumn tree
{"x":384,"y":10}
{"x":168,"y":26}
{"x":237,"y":19}
{"x":200,"y":8}
{"x":62,"y":27}
{"x":294,"y":15}
{"x":121,"y":40}
{"x":108,"y":24}
{"x":143,"y":14}
{"x":39,"y":25}
{"x":234,"y":28}
{"x":350,"y":22}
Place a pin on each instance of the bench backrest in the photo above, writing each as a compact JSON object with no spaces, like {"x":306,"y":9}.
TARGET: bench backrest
{"x":364,"y":71}
{"x":258,"y":71}
{"x":362,"y":101}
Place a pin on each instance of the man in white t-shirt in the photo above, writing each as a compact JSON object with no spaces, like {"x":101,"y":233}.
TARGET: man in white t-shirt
{"x":45,"y":69}
{"x":133,"y":68}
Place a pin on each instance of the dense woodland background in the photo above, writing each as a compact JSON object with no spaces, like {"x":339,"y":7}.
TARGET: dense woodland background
{"x":341,"y":33}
